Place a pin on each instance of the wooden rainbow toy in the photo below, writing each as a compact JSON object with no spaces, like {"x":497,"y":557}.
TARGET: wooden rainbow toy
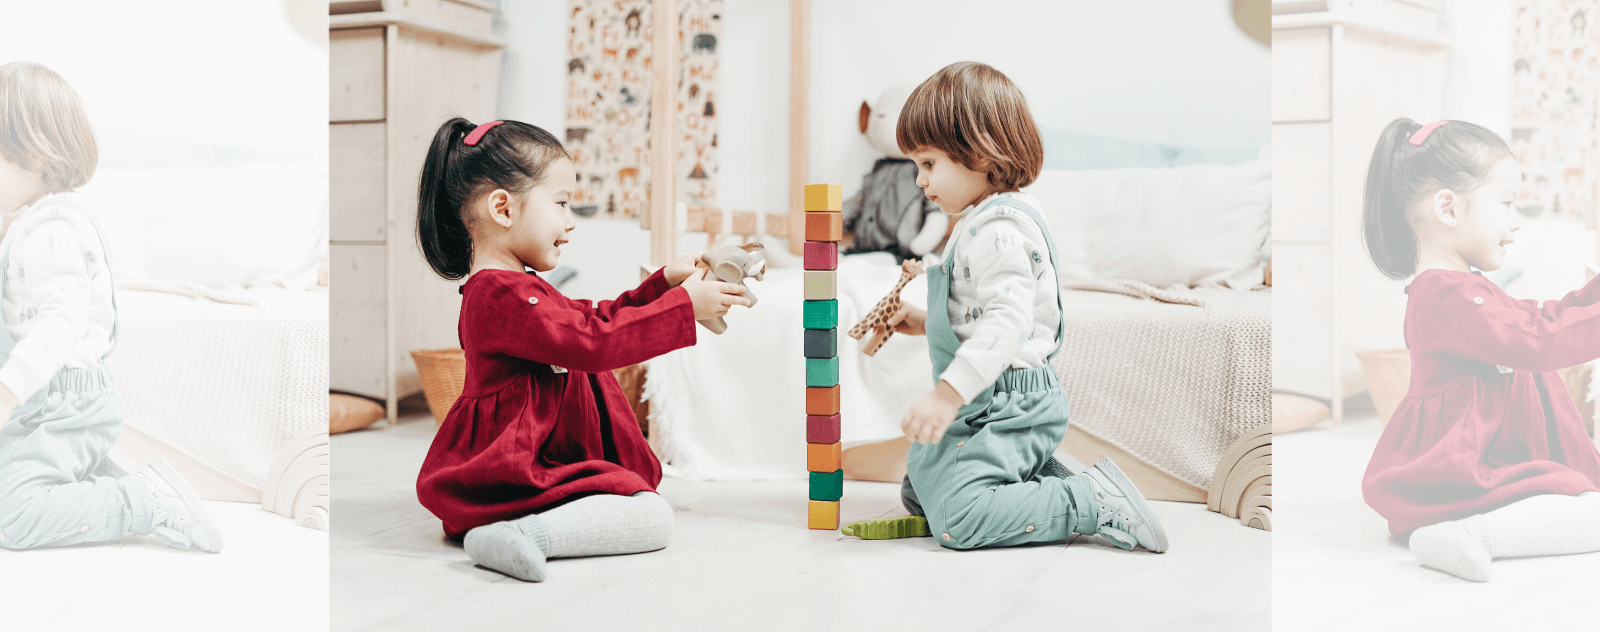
{"x":824,"y":228}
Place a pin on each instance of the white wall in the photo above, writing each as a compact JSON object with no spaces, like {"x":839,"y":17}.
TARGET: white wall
{"x":182,"y":82}
{"x":1477,"y":85}
{"x":1170,"y":71}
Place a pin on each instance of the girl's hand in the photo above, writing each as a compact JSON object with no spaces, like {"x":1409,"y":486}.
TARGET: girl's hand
{"x":908,"y":320}
{"x":677,"y":271}
{"x":932,"y":415}
{"x":712,"y":299}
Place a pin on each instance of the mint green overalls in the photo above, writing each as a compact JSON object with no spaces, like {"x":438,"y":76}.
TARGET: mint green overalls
{"x":991,"y":480}
{"x":57,"y":488}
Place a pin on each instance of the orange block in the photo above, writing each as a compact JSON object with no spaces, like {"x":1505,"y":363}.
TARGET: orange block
{"x":823,"y":457}
{"x":824,"y":515}
{"x":822,"y":401}
{"x":824,"y":226}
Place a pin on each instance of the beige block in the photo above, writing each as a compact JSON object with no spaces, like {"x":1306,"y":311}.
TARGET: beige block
{"x":821,"y":285}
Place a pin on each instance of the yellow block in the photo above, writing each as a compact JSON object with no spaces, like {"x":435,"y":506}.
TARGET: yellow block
{"x":824,"y":515}
{"x":823,"y":457}
{"x":821,"y":285}
{"x":824,"y":198}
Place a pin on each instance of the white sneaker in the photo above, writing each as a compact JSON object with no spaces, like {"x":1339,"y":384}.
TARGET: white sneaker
{"x":180,"y":519}
{"x":1124,"y":516}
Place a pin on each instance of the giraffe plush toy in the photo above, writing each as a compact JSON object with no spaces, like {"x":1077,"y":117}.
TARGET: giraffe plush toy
{"x":879,"y":316}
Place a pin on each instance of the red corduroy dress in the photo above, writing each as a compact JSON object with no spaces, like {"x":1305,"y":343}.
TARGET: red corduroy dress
{"x":523,"y":436}
{"x":1468,"y":437}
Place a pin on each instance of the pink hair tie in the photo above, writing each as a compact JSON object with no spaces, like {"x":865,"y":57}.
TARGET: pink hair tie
{"x":478,"y":132}
{"x":1422,"y":134}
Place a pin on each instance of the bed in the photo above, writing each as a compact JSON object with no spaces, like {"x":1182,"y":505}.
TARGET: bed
{"x":222,"y":357}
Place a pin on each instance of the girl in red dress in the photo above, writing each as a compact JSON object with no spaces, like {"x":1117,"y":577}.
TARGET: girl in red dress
{"x":1487,"y":455}
{"x":541,"y":457}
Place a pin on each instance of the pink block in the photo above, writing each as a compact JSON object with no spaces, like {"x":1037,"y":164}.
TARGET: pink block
{"x":822,"y":255}
{"x":822,"y":428}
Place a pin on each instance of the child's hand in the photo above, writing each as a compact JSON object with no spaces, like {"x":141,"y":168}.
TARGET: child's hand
{"x":677,"y":271}
{"x":8,"y":403}
{"x":908,"y":320}
{"x":932,"y":415}
{"x":712,"y":299}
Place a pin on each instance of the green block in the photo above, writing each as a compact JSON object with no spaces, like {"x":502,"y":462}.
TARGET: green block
{"x":822,"y":371}
{"x":821,"y":314}
{"x":827,"y":485}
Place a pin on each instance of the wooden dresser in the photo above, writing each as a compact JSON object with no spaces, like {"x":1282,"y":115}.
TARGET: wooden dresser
{"x":1341,"y":71}
{"x":398,"y":69}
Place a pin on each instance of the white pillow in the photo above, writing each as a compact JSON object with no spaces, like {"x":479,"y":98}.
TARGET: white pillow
{"x":1189,"y":226}
{"x":255,"y":225}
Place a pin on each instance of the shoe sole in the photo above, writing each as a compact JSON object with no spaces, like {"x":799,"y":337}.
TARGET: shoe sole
{"x":165,"y":471}
{"x":1127,"y":487}
{"x":889,"y":528}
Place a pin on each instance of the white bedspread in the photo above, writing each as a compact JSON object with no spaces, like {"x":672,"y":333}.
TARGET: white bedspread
{"x":228,"y":384}
{"x":1173,"y":384}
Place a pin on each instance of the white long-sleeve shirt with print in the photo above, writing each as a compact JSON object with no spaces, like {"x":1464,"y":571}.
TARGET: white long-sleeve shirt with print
{"x":1003,"y":296}
{"x":58,"y":296}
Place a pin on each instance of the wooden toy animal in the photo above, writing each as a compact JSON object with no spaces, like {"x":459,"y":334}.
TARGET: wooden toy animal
{"x":879,"y":316}
{"x":733,"y":264}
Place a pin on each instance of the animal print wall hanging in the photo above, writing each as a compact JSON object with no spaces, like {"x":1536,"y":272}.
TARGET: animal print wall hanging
{"x":608,"y":104}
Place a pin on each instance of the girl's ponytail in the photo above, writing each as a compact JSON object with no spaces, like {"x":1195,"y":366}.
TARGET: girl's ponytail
{"x":441,"y":231}
{"x":1457,"y":156}
{"x":1385,"y":220}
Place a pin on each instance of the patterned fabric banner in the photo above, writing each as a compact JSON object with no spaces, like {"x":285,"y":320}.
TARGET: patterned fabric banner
{"x":1555,"y":85}
{"x":608,"y":104}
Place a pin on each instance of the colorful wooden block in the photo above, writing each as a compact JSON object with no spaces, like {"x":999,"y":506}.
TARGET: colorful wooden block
{"x":820,"y":314}
{"x":824,"y":197}
{"x":822,"y":371}
{"x":822,"y":428}
{"x":821,"y":255}
{"x":822,"y":343}
{"x":824,"y":514}
{"x":824,"y":226}
{"x":827,"y":485}
{"x":823,"y":457}
{"x":821,"y":285}
{"x":822,"y":401}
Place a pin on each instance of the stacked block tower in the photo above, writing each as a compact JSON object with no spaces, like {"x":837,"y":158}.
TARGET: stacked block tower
{"x":824,"y":228}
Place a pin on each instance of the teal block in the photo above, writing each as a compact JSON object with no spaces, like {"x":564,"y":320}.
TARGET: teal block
{"x":822,"y":371}
{"x":821,"y":314}
{"x":827,"y":485}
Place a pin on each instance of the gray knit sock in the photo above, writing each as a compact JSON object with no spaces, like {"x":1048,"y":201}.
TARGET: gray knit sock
{"x":605,"y":524}
{"x":1452,"y":548}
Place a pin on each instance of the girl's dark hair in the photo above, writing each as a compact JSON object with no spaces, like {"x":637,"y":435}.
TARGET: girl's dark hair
{"x":511,"y":156}
{"x":1455,"y":156}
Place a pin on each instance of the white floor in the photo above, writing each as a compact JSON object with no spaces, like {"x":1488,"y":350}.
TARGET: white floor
{"x":1335,"y":566}
{"x":743,"y":560}
{"x":270,"y":575}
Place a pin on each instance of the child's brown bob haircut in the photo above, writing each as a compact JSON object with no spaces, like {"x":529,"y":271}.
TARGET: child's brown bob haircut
{"x":43,"y":128}
{"x":975,"y":115}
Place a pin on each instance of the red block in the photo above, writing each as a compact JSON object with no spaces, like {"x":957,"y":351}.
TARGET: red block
{"x":822,"y":255}
{"x":822,"y":428}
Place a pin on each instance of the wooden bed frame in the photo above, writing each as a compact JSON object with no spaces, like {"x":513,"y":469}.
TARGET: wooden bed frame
{"x":883,"y":461}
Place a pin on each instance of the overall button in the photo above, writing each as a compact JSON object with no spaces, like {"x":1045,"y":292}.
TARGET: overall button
{"x":83,"y":529}
{"x":960,"y":443}
{"x":15,"y":443}
{"x":1029,"y":529}
{"x":533,"y":300}
{"x":1477,"y":300}
{"x":946,"y":537}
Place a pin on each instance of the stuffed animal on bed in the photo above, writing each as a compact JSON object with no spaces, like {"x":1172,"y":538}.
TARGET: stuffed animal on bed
{"x":890,"y":213}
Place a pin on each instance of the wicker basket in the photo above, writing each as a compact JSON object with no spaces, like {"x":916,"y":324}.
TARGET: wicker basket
{"x":443,"y":373}
{"x":1388,"y":378}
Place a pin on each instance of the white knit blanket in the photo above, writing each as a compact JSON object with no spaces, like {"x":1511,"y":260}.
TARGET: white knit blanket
{"x":1173,"y":384}
{"x":229,"y":384}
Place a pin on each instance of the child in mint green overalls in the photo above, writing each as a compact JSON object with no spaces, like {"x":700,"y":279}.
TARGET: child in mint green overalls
{"x":980,"y":471}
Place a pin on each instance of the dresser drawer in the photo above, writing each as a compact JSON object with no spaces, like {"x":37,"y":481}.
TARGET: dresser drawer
{"x":357,"y":195}
{"x":1302,"y":193}
{"x":356,"y":75}
{"x":1301,"y":74}
{"x":357,"y":319}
